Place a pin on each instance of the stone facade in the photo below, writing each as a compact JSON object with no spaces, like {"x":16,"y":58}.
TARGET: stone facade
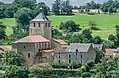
{"x":76,"y":55}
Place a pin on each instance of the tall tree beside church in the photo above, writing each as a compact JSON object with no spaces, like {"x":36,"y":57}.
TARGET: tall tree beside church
{"x":45,"y":9}
{"x":23,"y":17}
{"x":56,"y":7}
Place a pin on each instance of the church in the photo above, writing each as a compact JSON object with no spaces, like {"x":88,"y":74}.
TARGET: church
{"x":38,"y":46}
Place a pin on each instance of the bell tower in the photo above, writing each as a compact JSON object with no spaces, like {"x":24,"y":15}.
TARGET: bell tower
{"x":40,"y":25}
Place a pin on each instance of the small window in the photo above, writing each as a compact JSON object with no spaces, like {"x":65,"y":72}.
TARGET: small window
{"x":76,"y":50}
{"x":76,"y":54}
{"x":39,"y":24}
{"x":48,"y":24}
{"x":45,"y":24}
{"x":81,"y":61}
{"x":24,"y":46}
{"x":69,"y":56}
{"x":59,"y":61}
{"x":59,"y":56}
{"x":29,"y":55}
{"x":33,"y":24}
{"x":81,"y":56}
{"x":69,"y":61}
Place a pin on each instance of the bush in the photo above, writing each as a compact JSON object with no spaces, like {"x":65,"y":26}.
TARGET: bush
{"x":90,"y":13}
{"x":86,"y":74}
{"x":94,"y":28}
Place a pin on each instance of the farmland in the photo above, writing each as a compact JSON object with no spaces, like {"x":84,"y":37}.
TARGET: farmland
{"x":104,"y":21}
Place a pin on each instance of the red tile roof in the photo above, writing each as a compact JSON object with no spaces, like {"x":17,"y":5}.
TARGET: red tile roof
{"x":32,"y":39}
{"x":5,"y":48}
{"x":61,"y":42}
{"x":109,"y":52}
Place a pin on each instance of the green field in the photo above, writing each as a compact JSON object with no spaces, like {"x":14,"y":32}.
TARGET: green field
{"x":105,"y":22}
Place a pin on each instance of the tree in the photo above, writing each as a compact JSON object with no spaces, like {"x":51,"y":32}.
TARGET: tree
{"x":99,"y":55}
{"x":56,"y":7}
{"x":2,"y":31}
{"x":13,"y":71}
{"x":12,"y":58}
{"x":23,"y":17}
{"x":108,"y":44}
{"x":87,"y":36}
{"x":92,"y":23}
{"x":56,"y":34}
{"x":2,"y":9}
{"x":45,"y":9}
{"x":108,"y":68}
{"x":24,"y":3}
{"x":69,"y":26}
{"x":112,"y":38}
{"x":9,"y":11}
{"x":97,"y":40}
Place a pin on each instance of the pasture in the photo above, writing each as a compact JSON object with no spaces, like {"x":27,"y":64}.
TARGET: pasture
{"x":104,"y":21}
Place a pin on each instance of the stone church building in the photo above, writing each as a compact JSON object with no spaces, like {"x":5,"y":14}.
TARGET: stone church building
{"x":38,"y":46}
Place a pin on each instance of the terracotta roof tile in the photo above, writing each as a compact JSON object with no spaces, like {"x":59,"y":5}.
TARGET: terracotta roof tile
{"x":61,"y":42}
{"x":32,"y":39}
{"x":109,"y":52}
{"x":61,"y":50}
{"x":5,"y":48}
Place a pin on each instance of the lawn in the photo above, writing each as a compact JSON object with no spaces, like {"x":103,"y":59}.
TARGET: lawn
{"x":83,"y":20}
{"x":106,"y":22}
{"x":9,"y":22}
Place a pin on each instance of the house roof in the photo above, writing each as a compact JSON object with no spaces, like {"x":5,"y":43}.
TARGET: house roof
{"x":5,"y":48}
{"x":61,"y":42}
{"x":40,"y":17}
{"x":78,"y":46}
{"x":98,"y":46}
{"x":109,"y":52}
{"x":32,"y":39}
{"x":61,"y":50}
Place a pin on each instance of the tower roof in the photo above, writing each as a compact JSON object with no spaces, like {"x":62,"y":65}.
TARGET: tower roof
{"x":40,"y":17}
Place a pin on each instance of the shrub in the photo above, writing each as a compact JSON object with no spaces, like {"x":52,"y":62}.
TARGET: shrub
{"x":86,"y":74}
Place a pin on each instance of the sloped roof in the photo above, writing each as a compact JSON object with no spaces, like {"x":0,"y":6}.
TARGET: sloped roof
{"x":109,"y":52}
{"x":32,"y":39}
{"x":78,"y":46}
{"x":5,"y":48}
{"x":61,"y":42}
{"x":61,"y":50}
{"x":40,"y":17}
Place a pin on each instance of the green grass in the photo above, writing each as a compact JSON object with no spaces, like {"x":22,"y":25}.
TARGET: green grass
{"x":106,"y":22}
{"x":9,"y":22}
{"x":83,"y":20}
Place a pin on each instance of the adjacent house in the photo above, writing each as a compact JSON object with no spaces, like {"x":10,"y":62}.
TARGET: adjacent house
{"x":76,"y":52}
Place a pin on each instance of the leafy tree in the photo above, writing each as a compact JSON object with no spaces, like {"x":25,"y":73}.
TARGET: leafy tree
{"x":11,"y":58}
{"x":2,"y":9}
{"x":69,"y":26}
{"x":108,"y":68}
{"x":97,"y":40}
{"x":56,"y":7}
{"x":45,"y":9}
{"x":23,"y":17}
{"x":112,"y":37}
{"x":99,"y":55}
{"x":56,"y":34}
{"x":9,"y":11}
{"x":13,"y":71}
{"x":87,"y":35}
{"x":92,"y":23}
{"x":24,"y":3}
{"x":2,"y":31}
{"x":62,"y":7}
{"x":108,"y":44}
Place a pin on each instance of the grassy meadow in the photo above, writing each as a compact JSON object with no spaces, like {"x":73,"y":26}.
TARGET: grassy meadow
{"x":104,"y":21}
